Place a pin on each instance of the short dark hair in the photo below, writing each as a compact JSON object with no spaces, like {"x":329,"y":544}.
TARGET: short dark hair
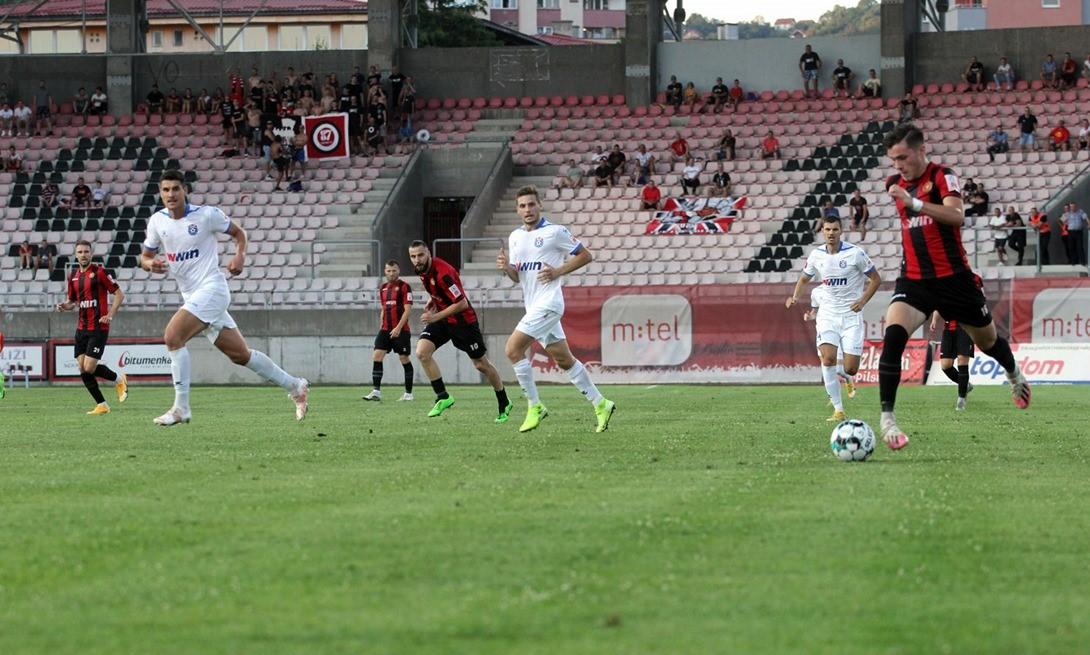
{"x":907,"y":132}
{"x":531,"y":190}
{"x":173,"y":175}
{"x":84,"y":242}
{"x":418,"y":244}
{"x":393,"y":262}
{"x":831,"y":219}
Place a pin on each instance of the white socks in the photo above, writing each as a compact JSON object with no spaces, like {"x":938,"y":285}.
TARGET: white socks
{"x":581,"y":379}
{"x":524,"y":372}
{"x":179,"y":372}
{"x":261,"y":364}
{"x":832,"y":386}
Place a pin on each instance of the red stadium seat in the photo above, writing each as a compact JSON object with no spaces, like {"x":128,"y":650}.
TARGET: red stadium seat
{"x":798,"y":94}
{"x":571,"y":101}
{"x":449,"y":103}
{"x":602,"y":101}
{"x":465,"y":103}
{"x":618,"y":99}
{"x":526,"y":102}
{"x":495,"y":103}
{"x":541,"y":101}
{"x":434,"y":103}
{"x":587,"y":101}
{"x":917,"y":89}
{"x":510,"y":102}
{"x":480,"y":102}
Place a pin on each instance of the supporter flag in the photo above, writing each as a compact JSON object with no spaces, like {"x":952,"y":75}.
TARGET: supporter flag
{"x":327,"y":136}
{"x":695,"y":215}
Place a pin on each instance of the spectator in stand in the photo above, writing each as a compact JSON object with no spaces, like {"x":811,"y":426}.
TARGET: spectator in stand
{"x":204,"y":103}
{"x":1050,"y":73}
{"x":737,"y":95}
{"x":997,"y":142}
{"x":26,"y":255}
{"x":998,"y":225}
{"x":51,"y":195}
{"x":726,"y":148}
{"x":1069,"y":72}
{"x":872,"y":86}
{"x":397,"y":82}
{"x":673,"y":93}
{"x":374,"y":77}
{"x":974,"y":75}
{"x":571,"y":177}
{"x":13,"y":163}
{"x":81,"y":195}
{"x":99,"y":102}
{"x":253,"y":124}
{"x":860,"y":212}
{"x":603,"y":175}
{"x":238,"y":130}
{"x":268,"y":137}
{"x":100,"y":195}
{"x":281,"y":157}
{"x":829,"y":211}
{"x":376,"y":95}
{"x":644,"y":163}
{"x":254,"y":79}
{"x":690,"y":175}
{"x":43,"y":101}
{"x":1059,"y":137}
{"x":154,"y":101}
{"x":1084,"y":135}
{"x":650,"y":196}
{"x":770,"y":146}
{"x":692,"y":98}
{"x":45,"y":255}
{"x":1086,"y":67}
{"x":679,"y":148}
{"x":236,"y":88}
{"x":174,"y":102}
{"x":721,"y":183}
{"x":81,"y":103}
{"x":306,"y":106}
{"x":355,"y":124}
{"x":299,"y":152}
{"x":1065,"y":237}
{"x":1004,"y":74}
{"x":21,"y":115}
{"x":842,"y":79}
{"x":910,"y":108}
{"x":376,"y":136}
{"x":1016,"y":234}
{"x":597,"y":157}
{"x":7,"y":120}
{"x":345,"y":99}
{"x":328,"y":101}
{"x":810,"y":67}
{"x":1027,"y":124}
{"x":968,"y":188}
{"x":218,"y":99}
{"x":378,"y":112}
{"x":719,"y":96}
{"x":1075,"y":222}
{"x":616,"y":162}
{"x":406,"y":101}
{"x":189,"y":102}
{"x":1038,"y":220}
{"x":978,"y":202}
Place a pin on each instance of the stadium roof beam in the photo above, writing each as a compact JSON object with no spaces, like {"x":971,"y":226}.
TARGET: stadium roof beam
{"x":410,"y":23}
{"x":935,"y":12}
{"x":5,"y":28}
{"x":674,"y":22}
{"x":221,"y":47}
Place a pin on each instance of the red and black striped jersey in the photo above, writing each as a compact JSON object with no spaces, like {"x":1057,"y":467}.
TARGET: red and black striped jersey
{"x":394,"y":296}
{"x":443,"y":284}
{"x":931,"y":249}
{"x":90,"y":291}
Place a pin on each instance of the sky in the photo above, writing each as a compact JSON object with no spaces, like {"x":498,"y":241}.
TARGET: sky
{"x":734,"y":11}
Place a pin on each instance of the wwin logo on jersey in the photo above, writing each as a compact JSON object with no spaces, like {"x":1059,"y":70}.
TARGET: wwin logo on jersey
{"x":528,"y":266}
{"x":182,"y":256}
{"x":835,"y":281}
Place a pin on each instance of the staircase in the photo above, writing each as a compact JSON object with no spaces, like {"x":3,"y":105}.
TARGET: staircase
{"x":338,"y":249}
{"x":504,"y":220}
{"x":492,"y":131}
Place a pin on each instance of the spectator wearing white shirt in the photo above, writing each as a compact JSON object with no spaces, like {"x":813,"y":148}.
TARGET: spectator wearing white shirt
{"x":98,"y":102}
{"x":99,"y":195}
{"x":22,"y":115}
{"x":7,"y":120}
{"x":1004,"y":74}
{"x":1084,"y":135}
{"x":644,"y":165}
{"x":998,"y":224}
{"x":597,"y":157}
{"x":1086,"y":67}
{"x":690,"y":175}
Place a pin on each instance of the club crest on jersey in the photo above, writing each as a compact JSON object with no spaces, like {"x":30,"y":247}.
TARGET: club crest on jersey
{"x":927,"y":186}
{"x":538,"y":242}
{"x":192,"y":229}
{"x":843,"y":263}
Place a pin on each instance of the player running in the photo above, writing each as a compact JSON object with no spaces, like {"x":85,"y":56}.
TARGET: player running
{"x":396,"y":298}
{"x":448,"y":316}
{"x":88,"y":287}
{"x":816,"y":295}
{"x":185,"y":234}
{"x":541,"y":252}
{"x":842,"y":267}
{"x":955,"y":343}
{"x":935,"y":274}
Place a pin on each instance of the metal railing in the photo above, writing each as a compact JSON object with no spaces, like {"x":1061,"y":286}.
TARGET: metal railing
{"x":462,"y":251}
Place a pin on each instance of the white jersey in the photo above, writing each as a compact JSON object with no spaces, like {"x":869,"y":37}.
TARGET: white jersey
{"x":530,"y":250}
{"x":843,"y":275}
{"x":189,"y":245}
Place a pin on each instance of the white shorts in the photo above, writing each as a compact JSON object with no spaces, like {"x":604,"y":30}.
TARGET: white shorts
{"x":845,"y":331}
{"x":209,"y":304}
{"x":542,"y":325}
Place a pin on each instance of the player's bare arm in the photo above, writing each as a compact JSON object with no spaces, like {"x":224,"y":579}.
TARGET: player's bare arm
{"x":151,"y":262}
{"x":950,"y":212}
{"x":504,"y":265}
{"x":396,"y":332}
{"x":574,"y":263}
{"x":428,"y":317}
{"x":65,"y":306}
{"x":119,"y":297}
{"x":803,"y":280}
{"x":874,"y":280}
{"x":238,"y":262}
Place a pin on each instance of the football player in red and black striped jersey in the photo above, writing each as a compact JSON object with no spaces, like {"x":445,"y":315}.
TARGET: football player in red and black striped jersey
{"x":955,"y":343}
{"x":396,"y":299}
{"x":448,"y":316}
{"x":935,"y":274}
{"x":89,"y":286}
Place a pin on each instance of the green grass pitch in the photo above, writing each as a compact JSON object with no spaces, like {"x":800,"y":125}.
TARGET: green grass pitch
{"x":706,"y":520}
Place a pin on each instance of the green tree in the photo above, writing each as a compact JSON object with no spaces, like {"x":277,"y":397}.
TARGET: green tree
{"x":707,"y":28}
{"x":453,"y":24}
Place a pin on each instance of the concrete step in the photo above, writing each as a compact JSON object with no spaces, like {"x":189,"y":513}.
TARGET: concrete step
{"x":487,"y":137}
{"x":498,"y":124}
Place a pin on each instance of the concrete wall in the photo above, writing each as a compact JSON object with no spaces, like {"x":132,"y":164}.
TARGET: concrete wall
{"x":475,"y":72}
{"x":402,"y":221}
{"x":458,"y":171}
{"x":1013,"y":13}
{"x":763,"y":64}
{"x":64,"y":75}
{"x":943,"y":57}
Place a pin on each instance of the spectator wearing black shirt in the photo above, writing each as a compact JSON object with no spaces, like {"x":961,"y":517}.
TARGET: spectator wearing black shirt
{"x":616,"y":162}
{"x":155,"y":100}
{"x":355,"y":86}
{"x":974,"y":75}
{"x":968,"y":188}
{"x":721,"y":183}
{"x":727,"y":144}
{"x":81,"y":195}
{"x":397,"y":81}
{"x":406,"y":102}
{"x":376,"y":135}
{"x":45,"y":256}
{"x":910,"y":108}
{"x":345,"y":100}
{"x":673,"y":93}
{"x":374,"y":78}
{"x":227,"y":112}
{"x":306,"y":85}
{"x":978,"y":202}
{"x":174,"y":101}
{"x":859,"y":212}
{"x":719,"y":96}
{"x":1069,"y":71}
{"x":1016,"y":234}
{"x":842,"y":79}
{"x":378,"y":113}
{"x":355,"y":123}
{"x":810,"y":67}
{"x":1027,"y":124}
{"x":81,"y":103}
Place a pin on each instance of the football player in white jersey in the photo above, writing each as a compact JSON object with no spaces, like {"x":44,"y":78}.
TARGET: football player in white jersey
{"x":842,"y":267}
{"x":816,"y":295}
{"x":540,"y":253}
{"x":181,"y":240}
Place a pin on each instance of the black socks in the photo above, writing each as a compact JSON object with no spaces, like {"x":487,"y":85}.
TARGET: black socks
{"x":91,"y":383}
{"x":376,"y":374}
{"x":408,"y":377}
{"x":439,"y":388}
{"x":889,"y":366}
{"x":105,"y":373}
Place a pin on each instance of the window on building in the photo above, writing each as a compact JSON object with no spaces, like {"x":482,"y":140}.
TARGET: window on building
{"x":596,"y":5}
{"x":8,"y":47}
{"x":157,"y":39}
{"x":544,"y":29}
{"x":354,"y":36}
{"x":548,"y":4}
{"x":178,"y":39}
{"x":55,"y":41}
{"x":505,"y":4}
{"x":305,"y":37}
{"x":1050,"y":4}
{"x":252,"y":39}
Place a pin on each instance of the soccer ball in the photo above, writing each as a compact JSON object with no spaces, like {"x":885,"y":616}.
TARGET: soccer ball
{"x":852,"y":441}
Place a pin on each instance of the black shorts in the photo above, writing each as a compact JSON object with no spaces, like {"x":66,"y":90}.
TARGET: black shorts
{"x":400,"y":345}
{"x":955,"y":343}
{"x":467,"y":338}
{"x":91,"y":343}
{"x":957,"y":298}
{"x":858,"y":221}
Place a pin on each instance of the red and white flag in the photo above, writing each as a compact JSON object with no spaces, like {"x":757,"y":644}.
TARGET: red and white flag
{"x":327,"y":136}
{"x":695,"y":215}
